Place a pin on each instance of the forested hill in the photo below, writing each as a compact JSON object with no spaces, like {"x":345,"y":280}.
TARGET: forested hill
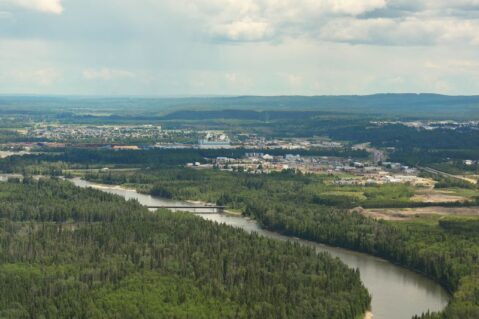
{"x":80,"y":253}
{"x":430,"y":105}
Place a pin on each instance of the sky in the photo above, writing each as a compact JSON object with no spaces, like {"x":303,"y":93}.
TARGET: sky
{"x":238,"y":47}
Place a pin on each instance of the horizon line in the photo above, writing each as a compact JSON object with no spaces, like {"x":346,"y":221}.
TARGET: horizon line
{"x":205,"y":96}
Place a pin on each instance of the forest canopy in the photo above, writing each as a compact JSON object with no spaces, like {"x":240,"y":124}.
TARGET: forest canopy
{"x":80,"y":253}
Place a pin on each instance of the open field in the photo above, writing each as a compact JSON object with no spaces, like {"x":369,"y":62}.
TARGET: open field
{"x":440,"y":196}
{"x":403,"y":214}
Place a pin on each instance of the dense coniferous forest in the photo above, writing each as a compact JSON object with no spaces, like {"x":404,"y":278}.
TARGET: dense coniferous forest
{"x":80,"y":253}
{"x":294,"y":205}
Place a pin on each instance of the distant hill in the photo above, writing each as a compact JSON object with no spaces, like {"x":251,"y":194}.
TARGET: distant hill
{"x":405,"y":105}
{"x":393,"y":104}
{"x":239,"y":114}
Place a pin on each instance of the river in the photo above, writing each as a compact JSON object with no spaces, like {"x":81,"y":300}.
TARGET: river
{"x":397,"y":293}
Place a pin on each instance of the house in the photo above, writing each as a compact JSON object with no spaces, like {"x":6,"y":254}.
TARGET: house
{"x":268,"y":157}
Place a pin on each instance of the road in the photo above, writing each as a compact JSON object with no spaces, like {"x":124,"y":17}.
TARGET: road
{"x":435,"y":171}
{"x":378,"y":155}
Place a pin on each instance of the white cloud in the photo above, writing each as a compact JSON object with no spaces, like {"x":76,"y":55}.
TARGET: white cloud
{"x":244,"y":30}
{"x":42,"y":76}
{"x":402,"y":31}
{"x":106,"y":74}
{"x":374,"y":22}
{"x":50,"y":6}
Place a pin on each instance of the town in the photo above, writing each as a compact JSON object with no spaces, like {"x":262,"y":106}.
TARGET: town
{"x":348,"y":171}
{"x":374,"y":169}
{"x":155,"y":136}
{"x":432,"y":125}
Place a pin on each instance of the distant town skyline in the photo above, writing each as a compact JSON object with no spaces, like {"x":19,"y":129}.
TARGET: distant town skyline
{"x":230,"y":48}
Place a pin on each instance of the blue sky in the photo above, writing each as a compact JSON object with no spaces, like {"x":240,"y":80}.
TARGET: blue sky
{"x":226,"y":47}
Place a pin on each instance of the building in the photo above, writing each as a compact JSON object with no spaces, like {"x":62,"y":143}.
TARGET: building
{"x":214,"y":141}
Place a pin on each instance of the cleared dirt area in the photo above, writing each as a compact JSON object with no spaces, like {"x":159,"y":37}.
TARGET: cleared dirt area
{"x":404,"y":214}
{"x":437,"y":196}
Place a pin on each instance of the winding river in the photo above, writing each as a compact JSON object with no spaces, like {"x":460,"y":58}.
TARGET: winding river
{"x":397,"y":293}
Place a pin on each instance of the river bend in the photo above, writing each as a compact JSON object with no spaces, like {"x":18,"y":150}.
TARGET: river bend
{"x":397,"y":293}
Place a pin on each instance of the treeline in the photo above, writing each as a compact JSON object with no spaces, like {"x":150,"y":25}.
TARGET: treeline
{"x":81,"y":253}
{"x":458,"y":166}
{"x":432,"y":156}
{"x":242,"y":115}
{"x":401,"y":136}
{"x":288,"y":203}
{"x":416,"y":147}
{"x":95,"y":157}
{"x":12,"y":136}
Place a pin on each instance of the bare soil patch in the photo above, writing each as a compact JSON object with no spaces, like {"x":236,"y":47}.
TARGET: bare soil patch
{"x":404,"y":214}
{"x":437,"y":196}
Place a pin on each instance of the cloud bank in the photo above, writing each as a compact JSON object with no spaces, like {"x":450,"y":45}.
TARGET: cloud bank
{"x":372,"y":22}
{"x":376,"y":22}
